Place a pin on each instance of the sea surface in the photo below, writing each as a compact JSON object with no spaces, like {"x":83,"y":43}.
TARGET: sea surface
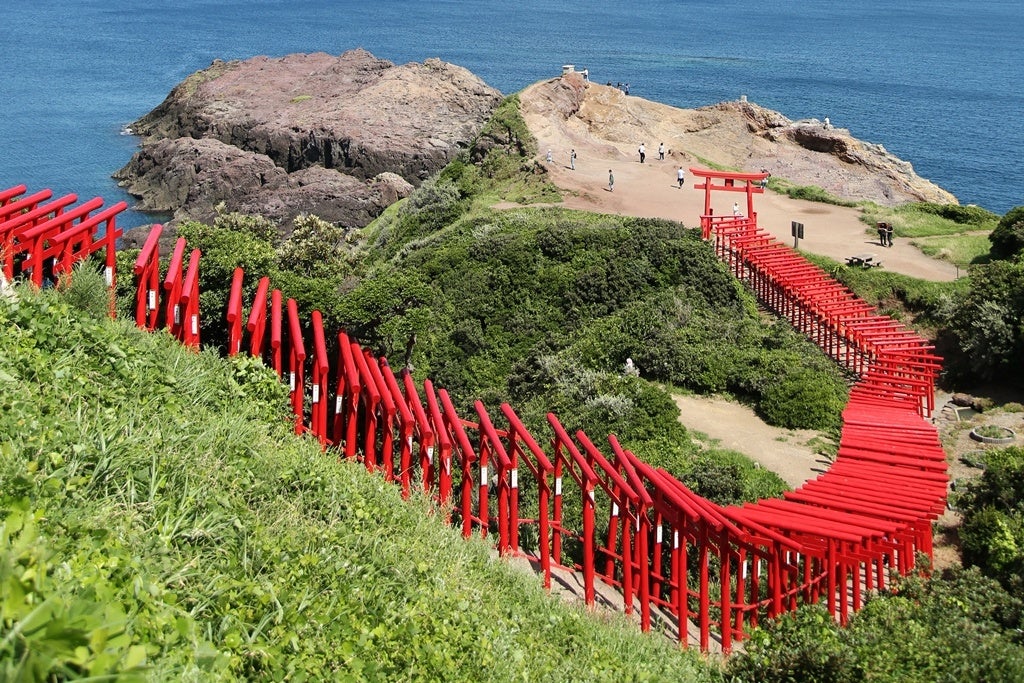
{"x":936,"y":82}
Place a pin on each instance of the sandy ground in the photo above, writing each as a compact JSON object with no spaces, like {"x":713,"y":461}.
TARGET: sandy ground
{"x":650,"y":189}
{"x":731,"y":425}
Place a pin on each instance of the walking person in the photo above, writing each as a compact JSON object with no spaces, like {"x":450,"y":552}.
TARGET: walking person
{"x":550,"y":156}
{"x":643,"y":152}
{"x":883,"y":236}
{"x":611,"y":181}
{"x":572,"y":159}
{"x":661,"y":151}
{"x":735,"y":209}
{"x":888,"y":233}
{"x":680,"y":177}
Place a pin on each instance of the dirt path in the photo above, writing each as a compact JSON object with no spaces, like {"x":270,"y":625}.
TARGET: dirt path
{"x":736,"y":427}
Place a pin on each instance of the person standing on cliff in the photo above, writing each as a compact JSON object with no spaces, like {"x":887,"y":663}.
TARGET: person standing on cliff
{"x":680,"y":177}
{"x":572,"y":159}
{"x":643,"y":152}
{"x":661,"y":151}
{"x":550,"y":156}
{"x":611,"y":181}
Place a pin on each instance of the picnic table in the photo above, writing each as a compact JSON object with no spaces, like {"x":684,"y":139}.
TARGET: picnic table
{"x":863,"y":261}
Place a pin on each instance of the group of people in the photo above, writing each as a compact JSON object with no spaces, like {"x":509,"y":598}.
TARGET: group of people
{"x":642,"y":151}
{"x":680,"y":174}
{"x":885,"y":234}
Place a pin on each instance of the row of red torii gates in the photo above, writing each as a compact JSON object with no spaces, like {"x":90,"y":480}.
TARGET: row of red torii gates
{"x":702,"y":572}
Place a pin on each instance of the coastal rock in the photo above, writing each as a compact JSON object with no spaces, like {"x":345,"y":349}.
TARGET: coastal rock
{"x":188,"y":177}
{"x":353,"y":115}
{"x":191,"y":178}
{"x":740,"y":135}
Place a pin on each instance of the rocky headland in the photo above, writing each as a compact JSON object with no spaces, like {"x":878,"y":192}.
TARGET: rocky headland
{"x":342,"y":136}
{"x":738,"y":134}
{"x":345,"y":136}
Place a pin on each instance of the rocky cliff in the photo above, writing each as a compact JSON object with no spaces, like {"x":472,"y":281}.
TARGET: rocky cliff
{"x":739,"y":135}
{"x":339,"y":136}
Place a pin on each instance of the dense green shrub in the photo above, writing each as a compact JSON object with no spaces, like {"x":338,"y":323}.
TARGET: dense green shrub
{"x":964,"y":215}
{"x":1008,"y":237}
{"x":315,"y":248}
{"x":992,"y":533}
{"x":801,"y":398}
{"x":958,"y":626}
{"x":985,"y":323}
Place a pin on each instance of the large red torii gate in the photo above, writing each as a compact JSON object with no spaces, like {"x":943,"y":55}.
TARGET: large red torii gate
{"x":728,"y":181}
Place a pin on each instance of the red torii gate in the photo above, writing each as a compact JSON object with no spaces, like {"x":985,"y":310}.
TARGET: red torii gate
{"x":728,"y":181}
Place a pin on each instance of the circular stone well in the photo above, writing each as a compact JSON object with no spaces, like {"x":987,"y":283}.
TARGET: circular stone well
{"x":994,"y":434}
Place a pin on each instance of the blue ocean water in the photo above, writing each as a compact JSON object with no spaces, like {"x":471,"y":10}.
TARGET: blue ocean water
{"x":936,"y":82}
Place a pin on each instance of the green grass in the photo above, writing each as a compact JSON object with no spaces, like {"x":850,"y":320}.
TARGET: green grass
{"x":157,"y":517}
{"x":914,"y":301}
{"x":958,"y":234}
{"x":963,"y":250}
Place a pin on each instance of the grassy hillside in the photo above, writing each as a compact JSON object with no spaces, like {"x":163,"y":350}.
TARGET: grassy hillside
{"x":158,"y":517}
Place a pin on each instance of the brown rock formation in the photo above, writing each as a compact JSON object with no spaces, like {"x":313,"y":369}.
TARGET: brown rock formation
{"x":739,"y":135}
{"x":304,"y":133}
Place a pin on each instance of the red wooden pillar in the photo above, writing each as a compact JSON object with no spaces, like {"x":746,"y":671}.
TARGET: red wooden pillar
{"x":234,"y":314}
{"x":680,"y":580}
{"x":467,"y":453}
{"x":371,"y":401}
{"x":422,"y":425}
{"x":508,"y":495}
{"x":444,"y":445}
{"x":642,"y":562}
{"x":704,"y":605}
{"x":724,"y":593}
{"x":190,"y":302}
{"x":386,"y":422}
{"x":172,"y":289}
{"x":346,"y":412}
{"x":257,"y":322}
{"x":296,"y":366}
{"x":276,"y":332}
{"x":321,"y":366}
{"x":406,"y":424}
{"x":147,"y":276}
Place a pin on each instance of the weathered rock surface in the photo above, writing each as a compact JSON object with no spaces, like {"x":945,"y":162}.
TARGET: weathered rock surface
{"x":740,"y":135}
{"x":304,"y":133}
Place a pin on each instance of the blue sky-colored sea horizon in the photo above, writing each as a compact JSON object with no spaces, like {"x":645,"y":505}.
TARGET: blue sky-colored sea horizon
{"x":936,"y":83}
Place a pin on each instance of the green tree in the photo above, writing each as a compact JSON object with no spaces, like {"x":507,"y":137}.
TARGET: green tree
{"x":987,"y":323}
{"x":1008,"y":237}
{"x":992,"y":533}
